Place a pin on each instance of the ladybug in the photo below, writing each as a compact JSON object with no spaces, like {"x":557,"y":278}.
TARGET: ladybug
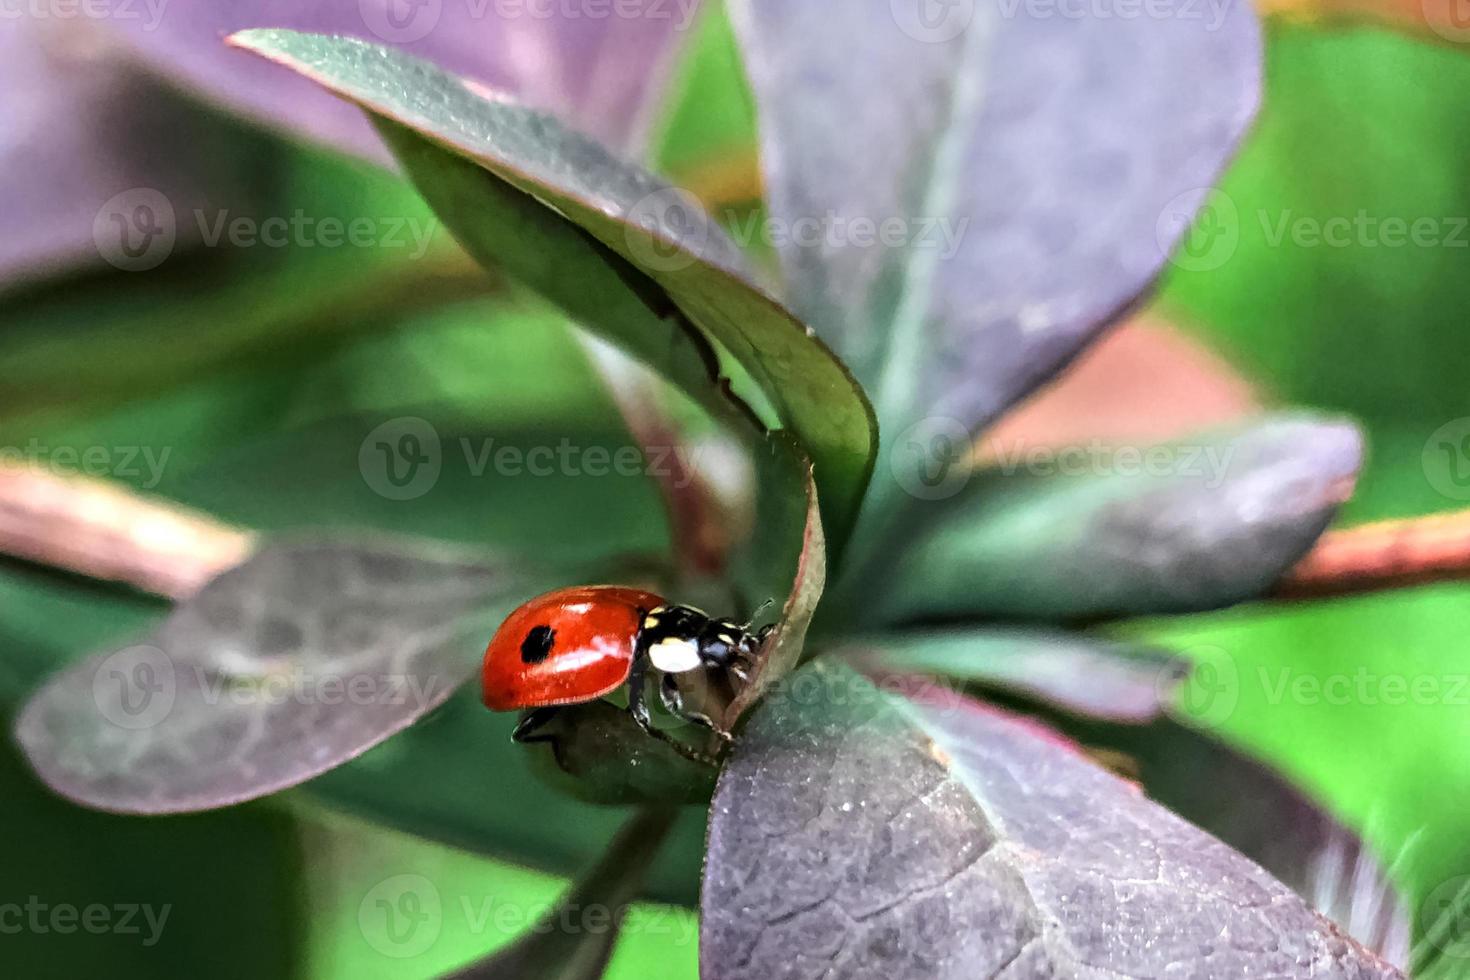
{"x":580,"y":644}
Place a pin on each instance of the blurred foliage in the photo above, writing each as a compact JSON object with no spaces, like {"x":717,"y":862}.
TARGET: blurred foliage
{"x":261,"y":372}
{"x":1362,"y":122}
{"x":87,"y":894}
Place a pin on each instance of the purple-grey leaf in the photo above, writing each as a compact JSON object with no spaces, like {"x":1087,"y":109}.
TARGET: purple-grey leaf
{"x":595,"y":69}
{"x":1098,"y":531}
{"x":1258,"y":812}
{"x":1084,"y":675}
{"x":916,"y":834}
{"x":82,"y":133}
{"x":303,"y":657}
{"x":975,"y":187}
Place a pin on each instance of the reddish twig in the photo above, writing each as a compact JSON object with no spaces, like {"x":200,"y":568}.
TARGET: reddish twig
{"x":1385,"y":555}
{"x":105,"y":531}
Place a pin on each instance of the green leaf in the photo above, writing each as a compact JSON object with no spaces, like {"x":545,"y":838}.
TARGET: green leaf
{"x":298,"y":660}
{"x":901,"y":832}
{"x":672,"y":253}
{"x":458,"y":778}
{"x":708,"y":116}
{"x":1102,"y":531}
{"x":1312,"y":277}
{"x":216,"y":894}
{"x":94,"y":342}
{"x":557,"y":948}
{"x":987,"y":190}
{"x":787,"y":560}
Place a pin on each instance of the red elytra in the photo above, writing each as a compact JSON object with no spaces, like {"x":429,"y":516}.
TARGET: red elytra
{"x":565,"y":647}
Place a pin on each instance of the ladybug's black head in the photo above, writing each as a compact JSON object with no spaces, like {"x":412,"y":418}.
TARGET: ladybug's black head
{"x":680,"y":638}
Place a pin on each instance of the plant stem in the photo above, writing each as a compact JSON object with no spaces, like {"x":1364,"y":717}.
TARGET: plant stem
{"x":104,"y":531}
{"x":1386,"y":555}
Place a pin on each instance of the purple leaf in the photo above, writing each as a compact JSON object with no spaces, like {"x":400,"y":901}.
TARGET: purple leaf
{"x":303,"y":657}
{"x":597,"y":71}
{"x":1197,"y":524}
{"x":913,"y":833}
{"x":1257,"y":811}
{"x":1032,"y":166}
{"x":1083,"y":675}
{"x":82,"y":133}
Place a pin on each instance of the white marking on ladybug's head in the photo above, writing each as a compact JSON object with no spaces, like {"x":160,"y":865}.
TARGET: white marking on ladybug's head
{"x":675,"y":655}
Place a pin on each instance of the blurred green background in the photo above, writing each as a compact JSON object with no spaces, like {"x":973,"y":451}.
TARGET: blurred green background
{"x":260,"y":371}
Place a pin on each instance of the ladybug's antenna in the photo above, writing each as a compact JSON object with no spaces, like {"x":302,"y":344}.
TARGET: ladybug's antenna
{"x":758,"y":610}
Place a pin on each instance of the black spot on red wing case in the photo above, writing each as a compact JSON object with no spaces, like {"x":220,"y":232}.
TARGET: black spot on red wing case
{"x":536,"y":647}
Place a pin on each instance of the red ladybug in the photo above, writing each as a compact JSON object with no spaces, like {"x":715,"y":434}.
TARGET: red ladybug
{"x":580,"y":644}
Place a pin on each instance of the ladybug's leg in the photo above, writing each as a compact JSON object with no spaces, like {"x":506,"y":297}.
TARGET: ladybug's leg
{"x":638,"y":708}
{"x":673,"y":699}
{"x":526,"y":729}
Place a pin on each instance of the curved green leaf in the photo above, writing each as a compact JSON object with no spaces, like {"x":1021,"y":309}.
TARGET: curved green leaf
{"x":673,"y":257}
{"x":786,"y":560}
